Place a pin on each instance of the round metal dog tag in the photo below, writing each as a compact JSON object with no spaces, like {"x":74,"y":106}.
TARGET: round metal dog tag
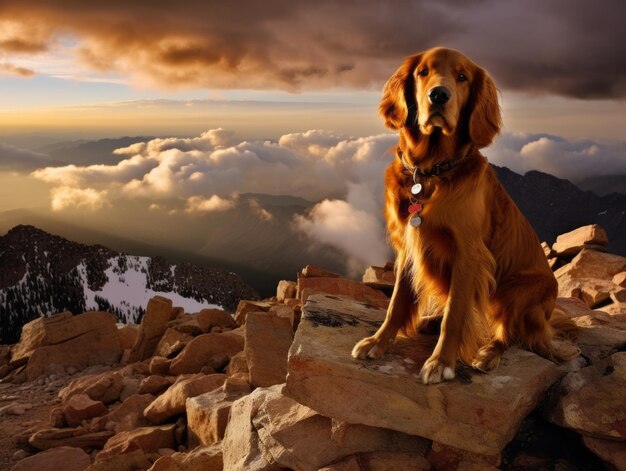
{"x":416,"y":221}
{"x":415,"y":189}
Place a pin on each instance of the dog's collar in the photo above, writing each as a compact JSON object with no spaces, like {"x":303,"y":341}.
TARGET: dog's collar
{"x":436,"y":169}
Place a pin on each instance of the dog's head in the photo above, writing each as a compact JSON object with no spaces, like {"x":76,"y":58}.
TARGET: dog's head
{"x":442,"y":88}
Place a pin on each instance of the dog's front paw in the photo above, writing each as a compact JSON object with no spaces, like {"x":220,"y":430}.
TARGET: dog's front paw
{"x":487,"y":358}
{"x":435,"y":371}
{"x":369,"y":347}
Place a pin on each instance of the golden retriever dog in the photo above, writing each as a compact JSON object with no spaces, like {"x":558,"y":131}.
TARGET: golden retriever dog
{"x":464,"y":252}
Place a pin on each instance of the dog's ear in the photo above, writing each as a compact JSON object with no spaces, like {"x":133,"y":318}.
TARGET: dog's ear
{"x":485,"y":120}
{"x":398,"y":105}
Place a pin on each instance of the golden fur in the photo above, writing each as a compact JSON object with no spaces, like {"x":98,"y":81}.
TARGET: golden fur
{"x":475,"y":260}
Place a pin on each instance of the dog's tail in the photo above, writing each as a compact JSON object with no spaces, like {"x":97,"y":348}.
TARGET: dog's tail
{"x":564,"y":333}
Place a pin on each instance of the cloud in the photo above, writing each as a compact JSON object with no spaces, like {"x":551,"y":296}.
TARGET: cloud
{"x":209,"y":205}
{"x":10,"y":69}
{"x":571,"y":159}
{"x":64,"y":197}
{"x":260,"y":211}
{"x":571,"y":48}
{"x":359,"y":234}
{"x":342,"y":174}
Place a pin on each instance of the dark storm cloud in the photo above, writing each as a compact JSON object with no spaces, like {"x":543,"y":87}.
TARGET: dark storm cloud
{"x":573,"y":48}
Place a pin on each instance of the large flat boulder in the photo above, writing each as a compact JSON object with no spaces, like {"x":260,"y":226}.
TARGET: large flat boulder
{"x":78,"y":341}
{"x":475,"y":412}
{"x":571,"y":243}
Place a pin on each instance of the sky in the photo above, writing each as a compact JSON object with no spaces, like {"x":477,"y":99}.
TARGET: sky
{"x":281,"y":97}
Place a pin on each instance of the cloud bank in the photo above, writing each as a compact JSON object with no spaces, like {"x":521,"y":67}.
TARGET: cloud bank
{"x":566,"y":47}
{"x":344,"y":175}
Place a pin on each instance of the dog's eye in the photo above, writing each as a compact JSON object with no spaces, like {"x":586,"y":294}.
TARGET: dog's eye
{"x":423,"y":72}
{"x":461,"y":78}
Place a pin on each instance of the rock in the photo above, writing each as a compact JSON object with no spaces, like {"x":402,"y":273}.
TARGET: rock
{"x":571,"y":243}
{"x":620,"y":279}
{"x":57,"y":418}
{"x":152,"y":327}
{"x":214,"y":350}
{"x":613,"y":453}
{"x":377,"y":277}
{"x":105,"y":387}
{"x":600,"y":334}
{"x":311,"y":271}
{"x":244,"y":307}
{"x":126,"y":416}
{"x":297,"y":437}
{"x":381,"y":461}
{"x":39,"y":333}
{"x":238,"y":364}
{"x":187,"y":325}
{"x":160,"y":365}
{"x":285,"y":290}
{"x":619,"y":296}
{"x":128,"y":335}
{"x":148,"y":439}
{"x":80,"y":407}
{"x":207,"y":414}
{"x":475,"y":412}
{"x":547,"y":250}
{"x":132,"y":461}
{"x":78,"y":341}
{"x":154,"y":384}
{"x":240,"y":446}
{"x":172,"y":342}
{"x":588,"y":267}
{"x":596,"y":292}
{"x":291,"y":313}
{"x":15,"y":408}
{"x":172,"y":401}
{"x":55,"y":459}
{"x":592,"y":400}
{"x":73,"y":437}
{"x":341,"y":287}
{"x":20,"y":455}
{"x":268,"y":339}
{"x":208,"y":318}
{"x":616,"y":310}
{"x":202,"y":458}
{"x":449,"y":458}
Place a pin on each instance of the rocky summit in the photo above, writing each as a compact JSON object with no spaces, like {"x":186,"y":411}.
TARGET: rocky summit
{"x":271,"y":385}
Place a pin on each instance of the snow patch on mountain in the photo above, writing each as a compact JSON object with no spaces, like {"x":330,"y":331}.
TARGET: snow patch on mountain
{"x":125,"y":289}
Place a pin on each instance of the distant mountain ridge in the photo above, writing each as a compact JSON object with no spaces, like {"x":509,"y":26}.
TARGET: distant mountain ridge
{"x":555,"y":206}
{"x":43,"y":274}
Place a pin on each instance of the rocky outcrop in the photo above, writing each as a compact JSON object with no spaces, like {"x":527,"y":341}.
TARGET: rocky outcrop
{"x":210,"y":395}
{"x":69,"y":341}
{"x":387,"y":393}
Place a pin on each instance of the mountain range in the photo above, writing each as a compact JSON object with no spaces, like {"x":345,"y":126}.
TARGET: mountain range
{"x":44,"y":274}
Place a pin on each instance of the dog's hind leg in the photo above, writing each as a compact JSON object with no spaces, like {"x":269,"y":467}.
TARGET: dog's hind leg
{"x":399,"y":309}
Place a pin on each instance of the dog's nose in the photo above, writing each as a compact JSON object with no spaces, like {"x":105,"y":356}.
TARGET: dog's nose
{"x":439,"y":95}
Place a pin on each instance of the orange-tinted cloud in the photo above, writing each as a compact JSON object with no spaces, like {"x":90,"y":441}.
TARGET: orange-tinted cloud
{"x":571,"y":48}
{"x":10,"y":69}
